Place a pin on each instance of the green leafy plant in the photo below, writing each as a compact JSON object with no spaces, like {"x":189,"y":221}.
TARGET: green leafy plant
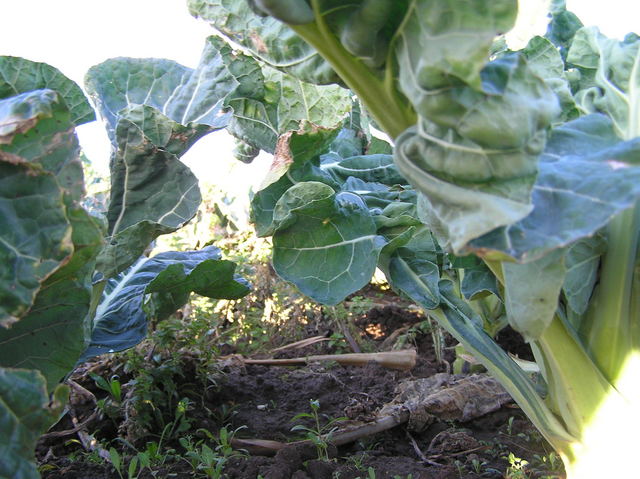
{"x":112,"y":386}
{"x":509,"y":195}
{"x":319,"y":434}
{"x":117,"y":461}
{"x":517,"y":467}
{"x":203,"y":458}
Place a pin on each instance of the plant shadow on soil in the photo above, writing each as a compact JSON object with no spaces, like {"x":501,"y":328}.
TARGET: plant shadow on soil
{"x":260,"y":401}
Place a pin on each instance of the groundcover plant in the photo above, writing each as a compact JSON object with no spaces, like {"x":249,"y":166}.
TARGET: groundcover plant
{"x":509,"y":196}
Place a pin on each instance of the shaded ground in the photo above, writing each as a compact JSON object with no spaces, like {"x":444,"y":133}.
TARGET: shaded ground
{"x":169,"y":397}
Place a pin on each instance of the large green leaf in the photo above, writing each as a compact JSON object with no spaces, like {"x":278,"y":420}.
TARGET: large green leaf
{"x":18,"y":75}
{"x":120,"y":321}
{"x":51,"y":337}
{"x":531,"y":293}
{"x":546,"y":61}
{"x":375,"y":168}
{"x":54,"y":332}
{"x":444,"y":43}
{"x":582,"y":261}
{"x":585,"y":168}
{"x":268,"y":39}
{"x":49,"y":242}
{"x":295,"y":160}
{"x":562,"y":27}
{"x":152,"y":192}
{"x":25,"y":413}
{"x":614,"y":66}
{"x":268,"y":103}
{"x":476,"y":161}
{"x":319,"y":155}
{"x":155,"y":111}
{"x":37,"y":127}
{"x":325,"y":243}
{"x":182,"y":94}
{"x":31,"y":248}
{"x":478,"y":280}
{"x":211,"y":278}
{"x":35,"y":233}
{"x":410,"y":264}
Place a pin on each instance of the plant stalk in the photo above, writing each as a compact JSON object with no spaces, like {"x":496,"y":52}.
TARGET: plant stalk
{"x":612,"y":318}
{"x":577,"y":388}
{"x":390,"y":114}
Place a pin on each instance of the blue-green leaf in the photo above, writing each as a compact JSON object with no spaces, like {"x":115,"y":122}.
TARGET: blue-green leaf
{"x":120,"y":321}
{"x":585,"y":168}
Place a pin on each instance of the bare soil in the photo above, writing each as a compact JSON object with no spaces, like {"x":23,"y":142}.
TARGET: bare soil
{"x":260,"y":402}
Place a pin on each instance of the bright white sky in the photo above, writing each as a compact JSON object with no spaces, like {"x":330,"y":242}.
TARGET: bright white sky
{"x":73,"y":35}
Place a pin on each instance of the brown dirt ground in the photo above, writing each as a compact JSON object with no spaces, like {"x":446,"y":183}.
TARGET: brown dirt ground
{"x":264,"y":399}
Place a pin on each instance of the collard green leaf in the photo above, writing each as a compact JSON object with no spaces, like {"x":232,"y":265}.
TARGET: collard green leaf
{"x":182,"y":94}
{"x":121,"y":321}
{"x":152,"y":192}
{"x":532,"y":290}
{"x":54,"y":332}
{"x":268,"y":39}
{"x":477,"y":277}
{"x":155,"y":110}
{"x":32,"y":246}
{"x":582,"y":261}
{"x":562,"y":27}
{"x":545,"y":60}
{"x":477,"y":172}
{"x":148,"y":182}
{"x":614,"y":65}
{"x":18,"y":75}
{"x":21,"y":112}
{"x":481,"y":126}
{"x":296,"y":155}
{"x":295,"y":12}
{"x":317,"y":155}
{"x":267,"y":103}
{"x":37,"y":127}
{"x":25,"y":414}
{"x":375,"y":168}
{"x":172,"y":287}
{"x":52,"y":335}
{"x":325,"y":243}
{"x":410,"y":264}
{"x":585,"y":168}
{"x":444,"y":43}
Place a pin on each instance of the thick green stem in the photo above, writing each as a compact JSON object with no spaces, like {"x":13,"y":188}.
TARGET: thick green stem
{"x":392,"y":115}
{"x":576,"y":385}
{"x":611,"y":319}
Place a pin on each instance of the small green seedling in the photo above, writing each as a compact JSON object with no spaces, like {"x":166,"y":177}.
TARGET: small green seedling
{"x":117,"y":462}
{"x":319,"y":435}
{"x":112,"y":386}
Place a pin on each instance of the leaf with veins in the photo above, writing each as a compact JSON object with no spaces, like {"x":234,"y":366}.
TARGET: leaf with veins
{"x":152,"y":192}
{"x":325,"y":243}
